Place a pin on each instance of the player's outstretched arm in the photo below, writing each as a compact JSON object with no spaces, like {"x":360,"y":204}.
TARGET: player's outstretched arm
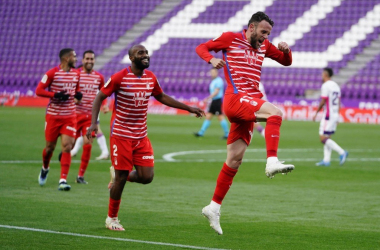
{"x":171,"y":102}
{"x":93,"y":129}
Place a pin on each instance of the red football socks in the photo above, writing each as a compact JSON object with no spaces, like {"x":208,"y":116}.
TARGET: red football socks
{"x":85,"y":159}
{"x":113,"y":207}
{"x":46,"y":159}
{"x":272,"y":134}
{"x":223,"y":183}
{"x":65,"y":164}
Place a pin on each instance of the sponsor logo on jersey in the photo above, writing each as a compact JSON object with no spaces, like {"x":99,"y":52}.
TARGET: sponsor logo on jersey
{"x":139,"y":98}
{"x":44,"y":79}
{"x":75,"y":79}
{"x":148,"y":157}
{"x":251,"y":57}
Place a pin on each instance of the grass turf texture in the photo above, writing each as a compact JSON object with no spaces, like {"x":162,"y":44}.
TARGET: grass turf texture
{"x":335,"y":207}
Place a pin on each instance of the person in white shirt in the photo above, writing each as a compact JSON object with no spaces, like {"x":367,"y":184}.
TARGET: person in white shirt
{"x":330,"y":98}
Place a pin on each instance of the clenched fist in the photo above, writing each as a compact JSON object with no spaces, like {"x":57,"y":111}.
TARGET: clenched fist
{"x":284,"y":47}
{"x":217,"y":63}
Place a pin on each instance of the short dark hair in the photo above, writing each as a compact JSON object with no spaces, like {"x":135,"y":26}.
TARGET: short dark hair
{"x":64,"y":52}
{"x":260,"y":16}
{"x":329,"y":71}
{"x":88,"y":51}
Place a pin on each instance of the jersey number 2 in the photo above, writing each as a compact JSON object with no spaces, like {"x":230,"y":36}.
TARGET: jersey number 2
{"x":335,"y":98}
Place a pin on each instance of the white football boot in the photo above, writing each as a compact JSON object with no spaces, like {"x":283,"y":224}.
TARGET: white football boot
{"x":277,"y":167}
{"x":114,"y":224}
{"x":102,"y":157}
{"x":213,"y":218}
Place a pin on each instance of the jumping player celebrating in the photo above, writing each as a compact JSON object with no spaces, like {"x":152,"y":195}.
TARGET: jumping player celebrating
{"x":63,"y":91}
{"x":130,"y":146}
{"x":243,"y":55}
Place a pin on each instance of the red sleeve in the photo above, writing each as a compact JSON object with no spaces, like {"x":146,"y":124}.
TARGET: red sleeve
{"x":101,"y":85}
{"x":220,"y":43}
{"x":45,"y":82}
{"x":112,"y":85}
{"x":157,"y":90}
{"x":274,"y":53}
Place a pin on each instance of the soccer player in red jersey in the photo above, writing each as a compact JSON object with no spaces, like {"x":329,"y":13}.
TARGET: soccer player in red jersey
{"x":243,"y":55}
{"x":90,"y":83}
{"x":61,"y":85}
{"x":130,"y":146}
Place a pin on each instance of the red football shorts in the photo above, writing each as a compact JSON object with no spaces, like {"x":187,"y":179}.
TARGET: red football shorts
{"x":240,"y":110}
{"x":128,"y":153}
{"x":83,"y":123}
{"x":56,"y":125}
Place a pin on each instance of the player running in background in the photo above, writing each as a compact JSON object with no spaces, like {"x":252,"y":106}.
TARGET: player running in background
{"x":100,"y":138}
{"x":243,"y":55}
{"x":130,"y":146}
{"x":90,"y":83}
{"x":61,"y":85}
{"x":216,"y":94}
{"x":330,"y":98}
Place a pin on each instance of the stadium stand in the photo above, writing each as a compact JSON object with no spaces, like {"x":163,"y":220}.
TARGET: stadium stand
{"x":334,"y":33}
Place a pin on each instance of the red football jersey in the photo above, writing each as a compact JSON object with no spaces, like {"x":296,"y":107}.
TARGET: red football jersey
{"x":89,"y":85}
{"x":57,"y":80}
{"x":243,"y":62}
{"x":132,"y":94}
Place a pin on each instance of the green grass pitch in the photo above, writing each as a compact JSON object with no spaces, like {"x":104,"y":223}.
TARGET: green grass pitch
{"x":335,"y":207}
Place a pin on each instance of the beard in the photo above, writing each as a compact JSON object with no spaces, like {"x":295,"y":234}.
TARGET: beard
{"x":88,"y":66}
{"x":141,"y":65}
{"x":254,"y":41}
{"x":71,"y":64}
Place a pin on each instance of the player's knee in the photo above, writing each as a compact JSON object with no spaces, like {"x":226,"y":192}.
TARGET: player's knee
{"x":147,"y":179}
{"x":235,"y":164}
{"x":66,"y":148}
{"x":277,"y":112}
{"x":49,"y":149}
{"x":324,"y":139}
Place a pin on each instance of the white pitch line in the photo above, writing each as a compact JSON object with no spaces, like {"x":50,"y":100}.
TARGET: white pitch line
{"x":287,"y":160}
{"x":169,"y":157}
{"x":35,"y":161}
{"x":108,"y":238}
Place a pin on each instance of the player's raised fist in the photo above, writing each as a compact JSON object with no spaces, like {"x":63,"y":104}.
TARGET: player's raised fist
{"x":284,"y":47}
{"x":217,"y":63}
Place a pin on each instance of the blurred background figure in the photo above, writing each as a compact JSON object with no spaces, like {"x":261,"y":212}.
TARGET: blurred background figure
{"x":216,"y":94}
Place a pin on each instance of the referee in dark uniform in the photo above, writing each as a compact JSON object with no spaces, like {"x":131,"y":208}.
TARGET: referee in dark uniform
{"x":216,"y":94}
